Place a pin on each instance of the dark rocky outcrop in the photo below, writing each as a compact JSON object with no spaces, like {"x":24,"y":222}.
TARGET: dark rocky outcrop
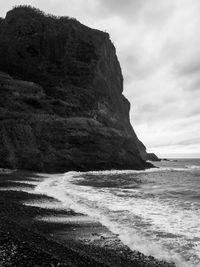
{"x":61,"y":101}
{"x":152,"y":157}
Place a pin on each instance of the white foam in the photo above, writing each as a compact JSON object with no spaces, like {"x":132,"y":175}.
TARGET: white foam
{"x":104,"y":207}
{"x":45,"y":204}
{"x":116,"y":172}
{"x":66,"y":219}
{"x":31,"y":182}
{"x":193,"y":167}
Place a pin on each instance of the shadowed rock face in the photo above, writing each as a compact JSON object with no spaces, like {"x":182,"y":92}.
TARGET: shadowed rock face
{"x":152,"y":157}
{"x":61,"y":106}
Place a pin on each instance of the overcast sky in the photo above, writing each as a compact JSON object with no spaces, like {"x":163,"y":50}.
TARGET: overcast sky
{"x":158,"y":45}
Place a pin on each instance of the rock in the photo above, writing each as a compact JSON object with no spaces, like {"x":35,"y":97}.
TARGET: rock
{"x":152,"y":157}
{"x":165,"y":159}
{"x":61,"y":101}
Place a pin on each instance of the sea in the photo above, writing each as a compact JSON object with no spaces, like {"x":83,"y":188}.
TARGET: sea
{"x":156,"y":211}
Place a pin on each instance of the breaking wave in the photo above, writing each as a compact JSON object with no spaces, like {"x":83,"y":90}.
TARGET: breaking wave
{"x":150,"y":218}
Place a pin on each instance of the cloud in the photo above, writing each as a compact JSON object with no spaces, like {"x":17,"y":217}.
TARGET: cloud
{"x":188,"y":72}
{"x":128,"y":8}
{"x":154,"y":12}
{"x":190,"y":67}
{"x":189,"y":141}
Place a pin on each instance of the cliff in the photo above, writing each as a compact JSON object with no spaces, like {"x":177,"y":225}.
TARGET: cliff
{"x":61,"y":101}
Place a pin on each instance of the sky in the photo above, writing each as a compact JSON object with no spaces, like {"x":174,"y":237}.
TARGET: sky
{"x":158,"y":46}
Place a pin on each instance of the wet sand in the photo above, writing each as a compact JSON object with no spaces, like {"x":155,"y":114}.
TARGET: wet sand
{"x":36,"y":231}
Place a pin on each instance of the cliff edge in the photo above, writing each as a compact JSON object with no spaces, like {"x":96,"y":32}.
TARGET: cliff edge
{"x":61,"y":101}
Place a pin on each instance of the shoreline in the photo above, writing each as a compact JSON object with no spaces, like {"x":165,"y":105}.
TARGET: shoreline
{"x":39,"y":235}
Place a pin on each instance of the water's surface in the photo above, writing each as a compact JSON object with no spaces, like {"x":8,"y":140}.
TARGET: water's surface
{"x":156,"y":211}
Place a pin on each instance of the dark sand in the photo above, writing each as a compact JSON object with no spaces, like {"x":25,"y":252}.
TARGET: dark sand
{"x":38,"y":236}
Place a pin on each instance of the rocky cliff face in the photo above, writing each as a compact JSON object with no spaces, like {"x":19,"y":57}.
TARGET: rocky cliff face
{"x":61,"y":101}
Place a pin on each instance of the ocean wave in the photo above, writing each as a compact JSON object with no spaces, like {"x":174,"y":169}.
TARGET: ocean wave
{"x":90,"y":201}
{"x":193,"y":167}
{"x":118,"y":172}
